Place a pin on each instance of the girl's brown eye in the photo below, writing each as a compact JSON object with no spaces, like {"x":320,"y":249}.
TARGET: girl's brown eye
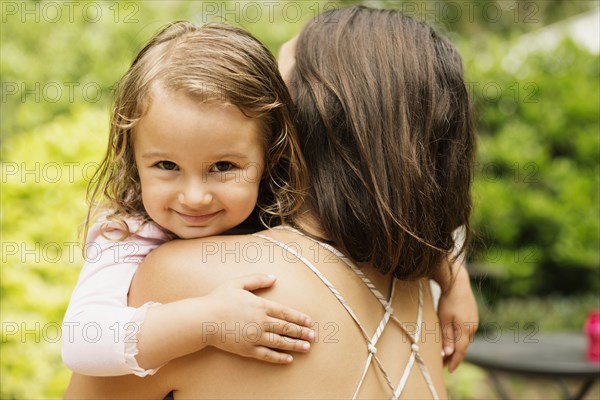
{"x":166,"y":165}
{"x":222,"y":166}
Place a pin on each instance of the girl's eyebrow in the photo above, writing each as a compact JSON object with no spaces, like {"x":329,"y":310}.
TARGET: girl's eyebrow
{"x":230,"y":154}
{"x":154,"y":154}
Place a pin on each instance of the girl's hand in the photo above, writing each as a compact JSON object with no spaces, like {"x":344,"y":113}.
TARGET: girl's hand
{"x":250,"y":326}
{"x":457,"y":311}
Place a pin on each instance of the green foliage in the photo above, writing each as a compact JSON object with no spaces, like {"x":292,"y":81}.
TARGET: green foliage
{"x":44,"y":174}
{"x":41,"y":80}
{"x":533,"y":314}
{"x":536,"y":188}
{"x":536,"y":192}
{"x":506,"y":19}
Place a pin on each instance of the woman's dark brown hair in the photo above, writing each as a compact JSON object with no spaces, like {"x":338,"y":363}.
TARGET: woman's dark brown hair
{"x":385,"y":126}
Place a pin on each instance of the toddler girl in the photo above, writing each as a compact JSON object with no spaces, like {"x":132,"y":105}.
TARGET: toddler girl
{"x":201,"y":138}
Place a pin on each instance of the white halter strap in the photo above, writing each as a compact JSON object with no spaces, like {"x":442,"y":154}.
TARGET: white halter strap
{"x":387,"y":316}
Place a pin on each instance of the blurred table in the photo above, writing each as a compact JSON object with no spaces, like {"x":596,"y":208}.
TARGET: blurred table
{"x":555,"y":356}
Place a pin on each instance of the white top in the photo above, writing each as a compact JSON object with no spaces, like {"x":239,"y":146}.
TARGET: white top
{"x":99,"y":332}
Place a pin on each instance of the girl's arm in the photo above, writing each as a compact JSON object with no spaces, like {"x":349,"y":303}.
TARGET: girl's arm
{"x":104,"y":337}
{"x":99,"y":330}
{"x":230,"y":318}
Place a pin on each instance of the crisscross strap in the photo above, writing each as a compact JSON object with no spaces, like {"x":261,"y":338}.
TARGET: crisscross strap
{"x":388,"y":314}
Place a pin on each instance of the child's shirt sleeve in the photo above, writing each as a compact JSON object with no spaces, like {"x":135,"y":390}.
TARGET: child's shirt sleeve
{"x":99,"y":332}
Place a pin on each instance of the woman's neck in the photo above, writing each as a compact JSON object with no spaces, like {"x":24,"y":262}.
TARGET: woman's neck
{"x":306,"y":221}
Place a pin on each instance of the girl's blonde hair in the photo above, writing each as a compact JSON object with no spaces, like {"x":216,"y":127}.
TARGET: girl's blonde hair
{"x":212,"y":63}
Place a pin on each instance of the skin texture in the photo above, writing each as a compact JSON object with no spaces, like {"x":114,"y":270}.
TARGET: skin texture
{"x":200,"y":164}
{"x":333,"y":367}
{"x":287,"y":58}
{"x":457,"y":311}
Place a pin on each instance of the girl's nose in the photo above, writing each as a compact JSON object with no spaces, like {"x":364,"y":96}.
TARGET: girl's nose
{"x":195,"y":195}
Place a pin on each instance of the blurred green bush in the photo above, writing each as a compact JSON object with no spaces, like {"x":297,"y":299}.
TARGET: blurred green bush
{"x":536,"y":190}
{"x":41,"y":254}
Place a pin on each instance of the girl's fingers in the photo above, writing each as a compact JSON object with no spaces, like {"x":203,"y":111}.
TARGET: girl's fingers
{"x":289,"y":329}
{"x":266,"y":354}
{"x":254,"y":281}
{"x":270,"y":342}
{"x":275,"y":310}
{"x":284,"y":343}
{"x":287,"y":314}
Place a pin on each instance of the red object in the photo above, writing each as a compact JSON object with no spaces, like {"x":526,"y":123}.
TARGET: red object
{"x":592,"y":330}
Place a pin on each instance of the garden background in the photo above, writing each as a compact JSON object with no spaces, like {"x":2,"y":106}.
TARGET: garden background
{"x":536,"y":91}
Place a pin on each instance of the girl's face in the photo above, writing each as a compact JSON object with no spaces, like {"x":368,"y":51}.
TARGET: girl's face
{"x":200,"y":164}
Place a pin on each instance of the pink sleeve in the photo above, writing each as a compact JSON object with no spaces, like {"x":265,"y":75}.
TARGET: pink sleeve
{"x":99,"y":329}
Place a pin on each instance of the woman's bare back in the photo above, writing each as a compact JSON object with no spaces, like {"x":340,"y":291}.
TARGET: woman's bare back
{"x":338,"y":357}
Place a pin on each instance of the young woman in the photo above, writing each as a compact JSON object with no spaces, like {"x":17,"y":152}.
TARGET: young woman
{"x":384,"y":123}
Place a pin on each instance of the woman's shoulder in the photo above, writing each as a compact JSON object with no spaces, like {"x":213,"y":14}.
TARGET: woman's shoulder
{"x":112,"y":228}
{"x":214,"y":248}
{"x":196,"y":266}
